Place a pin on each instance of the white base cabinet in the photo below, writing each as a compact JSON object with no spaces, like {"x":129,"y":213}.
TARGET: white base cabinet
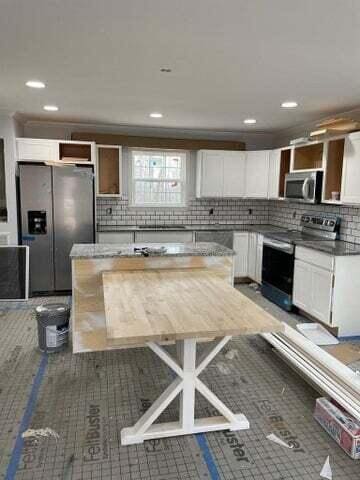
{"x":259,"y":256}
{"x":327,"y":287}
{"x":241,"y":247}
{"x":313,"y":290}
{"x":248,"y":260}
{"x":252,"y":255}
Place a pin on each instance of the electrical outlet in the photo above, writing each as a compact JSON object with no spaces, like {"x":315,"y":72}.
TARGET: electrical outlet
{"x":109,"y":211}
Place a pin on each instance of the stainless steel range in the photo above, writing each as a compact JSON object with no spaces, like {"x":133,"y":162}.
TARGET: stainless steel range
{"x":279,"y":255}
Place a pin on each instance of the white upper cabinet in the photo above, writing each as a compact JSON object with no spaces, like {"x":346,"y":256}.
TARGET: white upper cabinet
{"x":220,"y":173}
{"x":210,"y":173}
{"x":350,"y":186}
{"x":274,"y":172}
{"x":234,"y":174}
{"x":279,"y":167}
{"x":60,"y":151}
{"x":35,"y":149}
{"x":257,"y":174}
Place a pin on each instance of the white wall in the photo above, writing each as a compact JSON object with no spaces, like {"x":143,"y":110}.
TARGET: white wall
{"x":10,"y":128}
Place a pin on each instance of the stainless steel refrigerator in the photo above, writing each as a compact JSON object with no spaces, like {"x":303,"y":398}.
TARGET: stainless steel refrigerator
{"x":56,"y":210}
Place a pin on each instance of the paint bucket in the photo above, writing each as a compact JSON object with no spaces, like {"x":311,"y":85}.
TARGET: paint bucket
{"x":53,"y":326}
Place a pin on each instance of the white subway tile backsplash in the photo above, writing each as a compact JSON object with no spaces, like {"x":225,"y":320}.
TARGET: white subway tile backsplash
{"x":226,"y":212}
{"x":197,"y":212}
{"x":281,"y":214}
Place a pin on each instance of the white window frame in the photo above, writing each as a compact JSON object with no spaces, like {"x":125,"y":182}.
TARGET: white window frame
{"x":183,"y":179}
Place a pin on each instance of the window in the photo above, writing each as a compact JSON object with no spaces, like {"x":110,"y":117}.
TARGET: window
{"x":3,"y":211}
{"x":158,"y":178}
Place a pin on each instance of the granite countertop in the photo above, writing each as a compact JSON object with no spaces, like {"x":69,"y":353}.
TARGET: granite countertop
{"x":336,"y":248}
{"x":204,"y":249}
{"x":259,"y":228}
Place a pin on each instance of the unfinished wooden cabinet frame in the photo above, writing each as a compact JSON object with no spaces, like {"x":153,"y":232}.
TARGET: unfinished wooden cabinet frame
{"x":333,"y":169}
{"x":55,"y":151}
{"x":308,"y":157}
{"x":285,"y":161}
{"x":109,"y":171}
{"x":76,"y":152}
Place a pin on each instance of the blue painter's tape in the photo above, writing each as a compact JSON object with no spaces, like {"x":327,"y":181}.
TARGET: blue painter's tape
{"x":209,"y":459}
{"x":205,"y":450}
{"x":28,"y":238}
{"x":25,"y":422}
{"x":355,"y":338}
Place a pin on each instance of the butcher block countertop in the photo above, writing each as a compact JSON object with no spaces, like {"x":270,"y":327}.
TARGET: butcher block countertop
{"x":121,"y":300}
{"x":168,"y":305}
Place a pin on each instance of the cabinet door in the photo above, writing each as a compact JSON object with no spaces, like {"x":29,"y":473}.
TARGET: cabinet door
{"x":321,"y":290}
{"x":312,"y":290}
{"x":257,"y":174}
{"x":234,"y":174}
{"x":259,"y":254}
{"x":241,"y":245}
{"x":210,"y":173}
{"x":37,"y":149}
{"x":350,"y":189}
{"x":302,"y":296}
{"x":274,"y":172}
{"x":252,"y":252}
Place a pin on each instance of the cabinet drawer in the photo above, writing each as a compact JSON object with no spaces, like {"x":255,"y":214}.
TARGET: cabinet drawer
{"x":115,"y":237}
{"x":314,"y":257}
{"x":163,"y":237}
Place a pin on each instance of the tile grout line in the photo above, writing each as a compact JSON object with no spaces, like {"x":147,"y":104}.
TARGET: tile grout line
{"x":25,"y":421}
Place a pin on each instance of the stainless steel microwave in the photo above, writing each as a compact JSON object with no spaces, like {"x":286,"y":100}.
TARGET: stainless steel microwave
{"x":304,"y":186}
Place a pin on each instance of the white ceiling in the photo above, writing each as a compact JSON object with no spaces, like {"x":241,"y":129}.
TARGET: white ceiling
{"x":230,"y":60}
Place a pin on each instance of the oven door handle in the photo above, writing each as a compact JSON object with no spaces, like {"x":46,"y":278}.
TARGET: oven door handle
{"x":282,"y":246}
{"x":305,"y":188}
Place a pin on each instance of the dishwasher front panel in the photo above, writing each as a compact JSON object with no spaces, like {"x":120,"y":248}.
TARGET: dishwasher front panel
{"x":222,"y":237}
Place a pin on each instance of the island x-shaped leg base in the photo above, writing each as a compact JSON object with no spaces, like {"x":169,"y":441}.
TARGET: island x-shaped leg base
{"x":185,"y":384}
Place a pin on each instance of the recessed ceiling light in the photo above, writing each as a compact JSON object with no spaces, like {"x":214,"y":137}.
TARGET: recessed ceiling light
{"x":289,"y":104}
{"x":51,"y":108}
{"x":250,"y":121}
{"x":156,"y":115}
{"x":35,"y":84}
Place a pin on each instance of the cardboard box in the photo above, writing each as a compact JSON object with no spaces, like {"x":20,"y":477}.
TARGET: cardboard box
{"x":340,"y":425}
